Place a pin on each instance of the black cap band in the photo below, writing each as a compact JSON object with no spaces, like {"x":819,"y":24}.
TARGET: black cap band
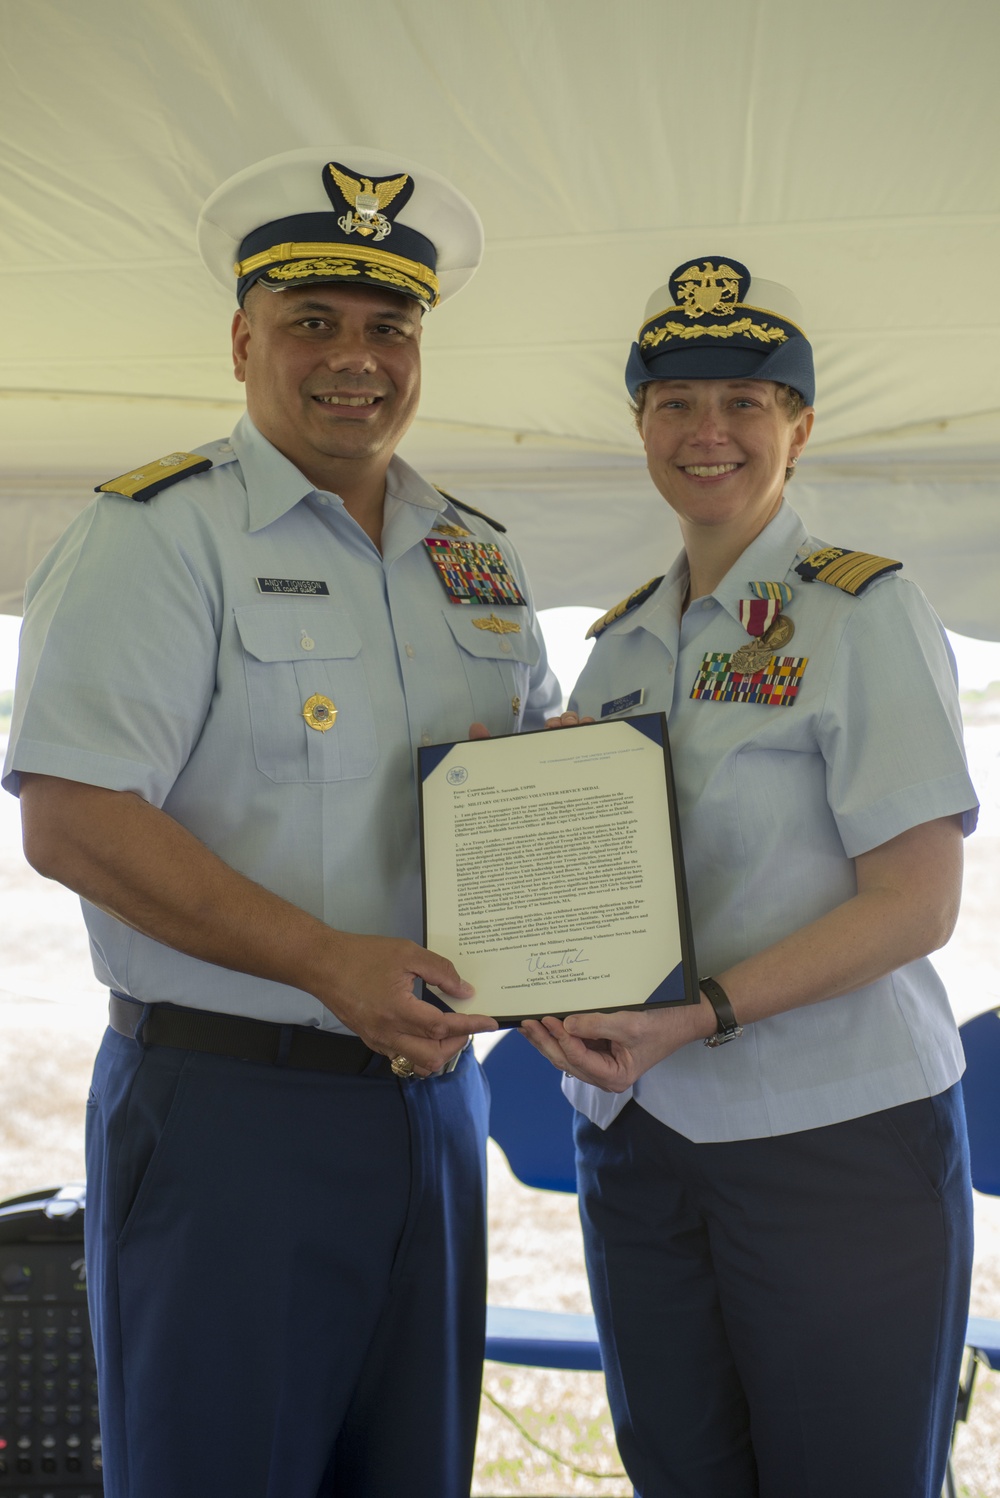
{"x":312,"y":247}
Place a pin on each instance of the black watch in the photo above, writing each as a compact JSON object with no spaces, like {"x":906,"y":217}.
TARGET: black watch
{"x":729,"y":1027}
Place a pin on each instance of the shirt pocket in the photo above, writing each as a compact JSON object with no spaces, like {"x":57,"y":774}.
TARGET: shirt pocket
{"x":497,"y":661}
{"x":292,"y":652}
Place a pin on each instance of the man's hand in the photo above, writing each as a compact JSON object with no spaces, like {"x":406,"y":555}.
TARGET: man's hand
{"x":374,"y":993}
{"x":567,"y":720}
{"x":612,"y":1051}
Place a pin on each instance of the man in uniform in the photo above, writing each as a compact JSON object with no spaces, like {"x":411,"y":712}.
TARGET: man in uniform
{"x":223,"y":686}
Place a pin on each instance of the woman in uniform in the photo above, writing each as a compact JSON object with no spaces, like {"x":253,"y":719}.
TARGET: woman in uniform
{"x":774,"y":1183}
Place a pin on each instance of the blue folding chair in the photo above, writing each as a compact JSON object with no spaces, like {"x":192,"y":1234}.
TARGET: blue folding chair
{"x":532,"y":1123}
{"x":981,"y":1088}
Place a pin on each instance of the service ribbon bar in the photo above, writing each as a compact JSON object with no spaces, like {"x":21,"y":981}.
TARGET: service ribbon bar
{"x":777,"y":686}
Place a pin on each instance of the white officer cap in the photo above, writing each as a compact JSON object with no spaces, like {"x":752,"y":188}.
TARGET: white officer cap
{"x":344,"y":213}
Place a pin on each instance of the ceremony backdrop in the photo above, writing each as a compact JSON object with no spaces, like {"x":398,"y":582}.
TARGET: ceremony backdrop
{"x":847,"y":149}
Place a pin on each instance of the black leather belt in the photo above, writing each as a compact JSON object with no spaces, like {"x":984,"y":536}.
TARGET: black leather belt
{"x":297,"y":1046}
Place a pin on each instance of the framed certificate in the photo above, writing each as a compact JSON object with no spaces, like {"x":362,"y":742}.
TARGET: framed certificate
{"x":553,"y":875}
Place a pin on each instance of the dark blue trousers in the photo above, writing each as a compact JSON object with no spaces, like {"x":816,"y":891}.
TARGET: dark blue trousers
{"x":287,"y":1277}
{"x":782,"y":1317}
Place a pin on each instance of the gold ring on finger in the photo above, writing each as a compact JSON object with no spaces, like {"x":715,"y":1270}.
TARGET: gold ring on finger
{"x":402,"y":1066}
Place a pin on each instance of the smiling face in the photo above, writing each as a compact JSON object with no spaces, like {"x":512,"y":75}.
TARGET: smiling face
{"x":332,"y":375}
{"x":717,"y":451}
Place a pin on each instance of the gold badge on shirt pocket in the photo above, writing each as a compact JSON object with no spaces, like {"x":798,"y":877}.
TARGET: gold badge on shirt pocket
{"x":319,"y":712}
{"x":497,"y":626}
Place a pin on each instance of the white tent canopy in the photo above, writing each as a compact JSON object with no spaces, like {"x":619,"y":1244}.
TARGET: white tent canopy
{"x":848,"y":150}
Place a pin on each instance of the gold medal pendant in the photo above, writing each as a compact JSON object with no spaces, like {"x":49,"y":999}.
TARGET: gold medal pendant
{"x":780,"y":633}
{"x":756,"y":655}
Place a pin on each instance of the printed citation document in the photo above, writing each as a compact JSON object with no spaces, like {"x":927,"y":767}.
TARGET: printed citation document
{"x":553,"y":876}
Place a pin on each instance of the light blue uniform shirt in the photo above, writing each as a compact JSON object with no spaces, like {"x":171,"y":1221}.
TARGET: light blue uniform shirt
{"x":775,"y":803}
{"x":151,"y":662}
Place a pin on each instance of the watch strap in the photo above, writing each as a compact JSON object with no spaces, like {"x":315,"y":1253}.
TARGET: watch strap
{"x":729,"y":1026}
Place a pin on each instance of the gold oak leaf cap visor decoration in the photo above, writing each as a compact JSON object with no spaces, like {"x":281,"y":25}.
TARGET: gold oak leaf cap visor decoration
{"x":715,"y":321}
{"x":345,"y":213}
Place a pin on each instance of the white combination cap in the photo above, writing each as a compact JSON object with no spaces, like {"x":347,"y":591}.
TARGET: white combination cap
{"x":341,"y":213}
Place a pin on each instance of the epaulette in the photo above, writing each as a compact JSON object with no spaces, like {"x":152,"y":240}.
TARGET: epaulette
{"x":850,"y":570}
{"x":142,"y":483}
{"x":470,"y":511}
{"x":625,"y":607}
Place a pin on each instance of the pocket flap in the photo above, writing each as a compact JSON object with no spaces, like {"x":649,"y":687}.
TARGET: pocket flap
{"x":286,"y":631}
{"x":492,"y":638}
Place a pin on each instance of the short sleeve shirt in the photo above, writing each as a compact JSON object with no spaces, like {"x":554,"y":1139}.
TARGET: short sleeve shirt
{"x":775,"y":803}
{"x":170,"y":648}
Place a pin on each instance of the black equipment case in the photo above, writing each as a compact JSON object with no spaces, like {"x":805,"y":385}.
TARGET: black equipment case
{"x":50,"y":1442}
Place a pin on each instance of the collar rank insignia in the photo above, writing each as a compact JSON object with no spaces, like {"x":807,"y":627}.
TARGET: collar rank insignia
{"x":850,"y":570}
{"x":144,"y":482}
{"x":365,"y":198}
{"x":473,"y":571}
{"x":625,"y":607}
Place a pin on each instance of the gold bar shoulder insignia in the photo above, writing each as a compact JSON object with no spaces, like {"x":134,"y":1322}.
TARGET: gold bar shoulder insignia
{"x":852,"y":571}
{"x":625,"y":607}
{"x":142,"y":483}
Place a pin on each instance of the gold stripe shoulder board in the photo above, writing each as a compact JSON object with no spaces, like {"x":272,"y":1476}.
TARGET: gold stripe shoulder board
{"x":850,"y":570}
{"x":142,"y":483}
{"x":625,"y":607}
{"x":470,"y":511}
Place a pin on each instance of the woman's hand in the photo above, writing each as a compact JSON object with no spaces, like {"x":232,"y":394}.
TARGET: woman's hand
{"x":613,"y":1050}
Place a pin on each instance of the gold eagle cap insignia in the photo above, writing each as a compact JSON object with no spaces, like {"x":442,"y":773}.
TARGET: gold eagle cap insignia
{"x":498,"y":626}
{"x":366,"y":200}
{"x":709,"y":289}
